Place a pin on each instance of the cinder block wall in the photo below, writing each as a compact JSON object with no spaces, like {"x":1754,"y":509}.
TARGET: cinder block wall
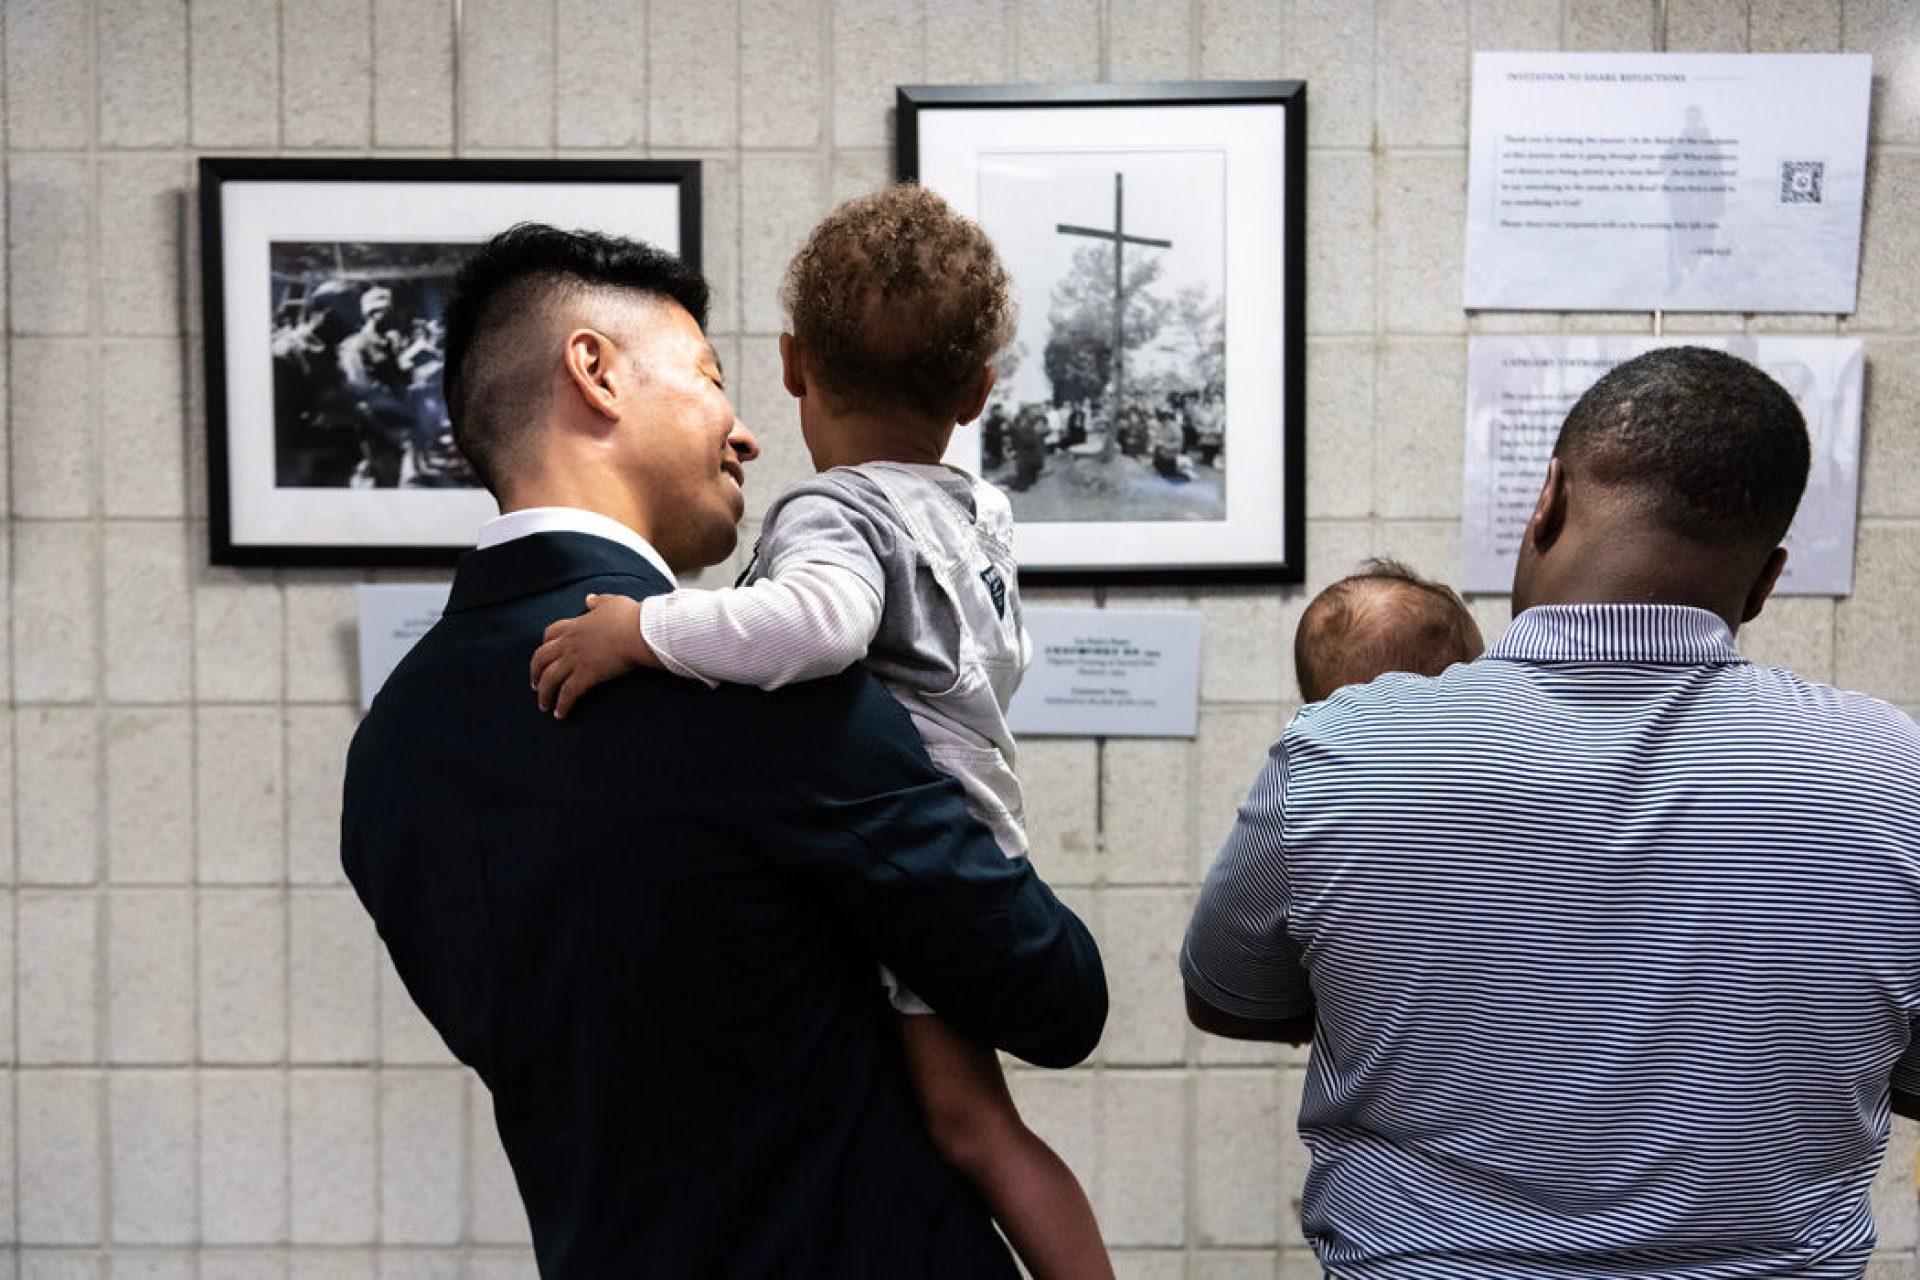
{"x":205,"y":1066}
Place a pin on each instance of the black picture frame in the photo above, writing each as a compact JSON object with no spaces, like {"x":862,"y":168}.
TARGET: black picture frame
{"x":1040,"y":142}
{"x":326,"y":457}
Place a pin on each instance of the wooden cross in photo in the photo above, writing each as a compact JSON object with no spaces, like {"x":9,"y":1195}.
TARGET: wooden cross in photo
{"x":1120,"y":240}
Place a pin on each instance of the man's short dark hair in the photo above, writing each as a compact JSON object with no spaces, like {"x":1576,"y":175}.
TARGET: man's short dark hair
{"x":1384,"y":618}
{"x":512,"y":281}
{"x":1717,"y":448}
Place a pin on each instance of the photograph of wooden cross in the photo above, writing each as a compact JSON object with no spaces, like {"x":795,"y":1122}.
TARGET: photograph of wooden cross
{"x":1120,"y":239}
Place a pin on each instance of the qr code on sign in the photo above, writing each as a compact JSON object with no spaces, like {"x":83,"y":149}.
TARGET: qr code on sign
{"x":1802,"y":181}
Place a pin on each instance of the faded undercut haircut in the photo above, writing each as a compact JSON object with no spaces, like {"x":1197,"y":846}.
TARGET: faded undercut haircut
{"x":1716,"y":448}
{"x":898,"y":303}
{"x":1384,"y":618}
{"x":502,"y":303}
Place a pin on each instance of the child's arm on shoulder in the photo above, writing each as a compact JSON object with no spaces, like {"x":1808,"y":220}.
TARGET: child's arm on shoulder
{"x":808,"y":620}
{"x":578,"y":653}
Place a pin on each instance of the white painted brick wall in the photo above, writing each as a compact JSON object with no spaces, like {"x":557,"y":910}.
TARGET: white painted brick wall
{"x":58,"y":1121}
{"x":53,"y":405}
{"x":238,"y":795}
{"x":334,"y":978}
{"x":243,"y":975}
{"x":693,"y":73}
{"x":507,"y":98}
{"x":207,"y":1068}
{"x":49,"y":76}
{"x":423,"y":1128}
{"x":143,"y":429}
{"x":243,"y":1156}
{"x":55,"y":627}
{"x":150,"y":1129}
{"x":335,"y":1157}
{"x":326,"y":69}
{"x":1238,"y":1138}
{"x":149,"y":614}
{"x":59,"y":750}
{"x":57,"y":976}
{"x":412,"y":74}
{"x":149,"y":795}
{"x":238,"y":637}
{"x":152,"y":986}
{"x":49,"y":203}
{"x":323,"y":662}
{"x":141,"y":214}
{"x":599,"y":100}
{"x":234,"y":70}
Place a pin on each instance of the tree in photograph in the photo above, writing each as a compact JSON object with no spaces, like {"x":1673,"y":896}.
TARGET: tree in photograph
{"x":1079,"y":353}
{"x":1200,"y":319}
{"x":1007,"y":363}
{"x":1083,"y":299}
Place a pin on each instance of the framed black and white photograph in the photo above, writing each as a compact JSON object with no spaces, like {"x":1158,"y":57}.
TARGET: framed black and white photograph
{"x":1146,"y":423}
{"x":325,"y":289}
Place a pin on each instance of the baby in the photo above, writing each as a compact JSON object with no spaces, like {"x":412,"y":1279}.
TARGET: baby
{"x":889,"y":558}
{"x":1384,"y":618}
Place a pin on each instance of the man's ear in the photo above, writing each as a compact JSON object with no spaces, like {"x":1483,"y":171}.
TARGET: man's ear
{"x":1763,"y":585}
{"x":588,"y":360}
{"x":793,"y":371}
{"x":1549,"y":509}
{"x":976,"y":397}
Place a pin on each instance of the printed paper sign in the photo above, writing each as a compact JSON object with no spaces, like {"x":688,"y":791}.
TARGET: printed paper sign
{"x":1666,"y":181}
{"x":1520,"y":389}
{"x":1110,"y":673}
{"x":392,"y":620}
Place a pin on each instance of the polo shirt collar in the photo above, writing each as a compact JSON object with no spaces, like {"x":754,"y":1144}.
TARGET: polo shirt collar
{"x":1667,"y":634}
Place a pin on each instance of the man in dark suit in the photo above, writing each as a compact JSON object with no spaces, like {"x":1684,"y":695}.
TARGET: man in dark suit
{"x":653,"y":929}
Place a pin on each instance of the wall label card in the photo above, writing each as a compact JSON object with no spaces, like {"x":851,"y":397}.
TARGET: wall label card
{"x":1520,"y":389}
{"x":1110,"y":673}
{"x":1666,"y":181}
{"x":393,"y":617}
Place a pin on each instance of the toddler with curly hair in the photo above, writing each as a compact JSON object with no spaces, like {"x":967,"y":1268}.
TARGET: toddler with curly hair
{"x":890,"y":558}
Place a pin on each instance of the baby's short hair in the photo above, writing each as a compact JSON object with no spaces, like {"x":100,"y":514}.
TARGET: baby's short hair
{"x":898,"y":302}
{"x":1384,"y":618}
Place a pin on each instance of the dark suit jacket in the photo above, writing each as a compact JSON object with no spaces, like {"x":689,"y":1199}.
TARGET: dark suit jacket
{"x":652,"y":929}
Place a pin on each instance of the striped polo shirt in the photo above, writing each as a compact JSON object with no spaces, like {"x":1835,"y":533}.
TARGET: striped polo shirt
{"x":1614,"y":942}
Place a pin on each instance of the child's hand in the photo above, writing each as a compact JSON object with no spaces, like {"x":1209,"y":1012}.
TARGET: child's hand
{"x":579,"y":653}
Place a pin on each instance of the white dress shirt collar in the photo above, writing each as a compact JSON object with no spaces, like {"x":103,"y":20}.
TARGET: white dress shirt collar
{"x":532,"y":520}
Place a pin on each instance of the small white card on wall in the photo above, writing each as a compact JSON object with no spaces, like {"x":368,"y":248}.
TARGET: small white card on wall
{"x":1520,"y":389}
{"x":1110,"y":673}
{"x":1666,"y":181}
{"x":392,"y":620}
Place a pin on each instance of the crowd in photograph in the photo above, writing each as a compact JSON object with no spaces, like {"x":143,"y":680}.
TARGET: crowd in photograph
{"x":358,"y":402}
{"x":1173,"y":433}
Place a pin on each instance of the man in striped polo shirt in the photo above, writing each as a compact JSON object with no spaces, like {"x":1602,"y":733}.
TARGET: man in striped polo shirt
{"x":1608,"y":943}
